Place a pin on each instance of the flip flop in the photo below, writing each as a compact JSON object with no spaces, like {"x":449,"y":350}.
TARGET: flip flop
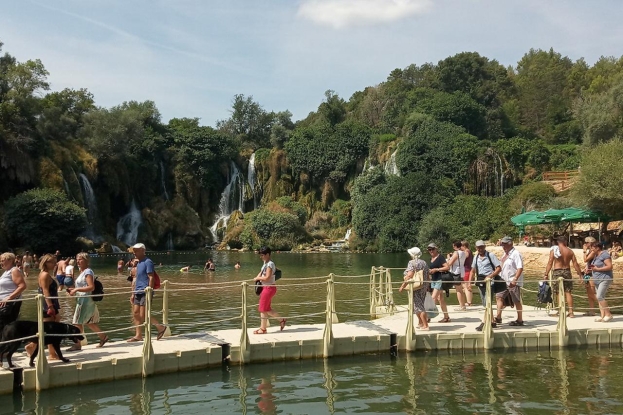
{"x":134,"y":339}
{"x":161,"y":333}
{"x":103,"y":342}
{"x":282,"y":323}
{"x":75,"y":348}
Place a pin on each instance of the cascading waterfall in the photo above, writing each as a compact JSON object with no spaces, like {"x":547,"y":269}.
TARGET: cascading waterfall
{"x":91,"y":205}
{"x":232,"y":199}
{"x":162,"y":176}
{"x":116,"y":249}
{"x":488,"y":174}
{"x":390,"y":166}
{"x":170,"y":246}
{"x":347,"y":236}
{"x":128,"y":225}
{"x":251,"y":179}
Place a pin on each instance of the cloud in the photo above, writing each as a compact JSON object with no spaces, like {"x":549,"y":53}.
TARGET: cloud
{"x":343,"y":13}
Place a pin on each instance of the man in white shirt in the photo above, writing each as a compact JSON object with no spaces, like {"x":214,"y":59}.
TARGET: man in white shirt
{"x":512,"y":273}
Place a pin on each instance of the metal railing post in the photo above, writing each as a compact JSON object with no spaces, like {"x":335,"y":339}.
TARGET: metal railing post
{"x":245,"y":345}
{"x":563,"y":335}
{"x":165,"y":308}
{"x":148,"y":351}
{"x":373,"y":302}
{"x":334,"y":318}
{"x":391,"y":307}
{"x":410,"y":333}
{"x":487,"y":330}
{"x":328,"y":328}
{"x":42,"y":372}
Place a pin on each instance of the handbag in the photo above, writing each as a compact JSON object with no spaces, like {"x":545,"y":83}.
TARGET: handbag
{"x":430,"y":306}
{"x":446,"y":277}
{"x":457,"y":277}
{"x":258,"y":287}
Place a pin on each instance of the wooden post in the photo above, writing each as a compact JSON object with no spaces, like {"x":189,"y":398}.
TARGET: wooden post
{"x":487,"y":329}
{"x":391,"y":307}
{"x":245,"y":345}
{"x":148,"y":351}
{"x":563,"y":335}
{"x":373,"y":294}
{"x":42,"y":372}
{"x":165,"y":308}
{"x":410,"y":333}
{"x":334,"y":318}
{"x":328,"y":328}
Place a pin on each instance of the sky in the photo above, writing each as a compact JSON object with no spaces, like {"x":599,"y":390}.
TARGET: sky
{"x":192,"y":56}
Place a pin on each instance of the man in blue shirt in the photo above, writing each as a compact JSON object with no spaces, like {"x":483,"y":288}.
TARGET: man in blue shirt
{"x":144,"y":278}
{"x":484,"y":265}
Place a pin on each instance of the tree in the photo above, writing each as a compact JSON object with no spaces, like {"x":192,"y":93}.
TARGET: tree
{"x":601,"y":179}
{"x":601,"y":115}
{"x":333,"y":109}
{"x":44,"y":219}
{"x":249,"y":123}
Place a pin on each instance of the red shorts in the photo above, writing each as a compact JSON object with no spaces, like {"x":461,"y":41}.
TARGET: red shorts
{"x":466,"y":275}
{"x":268,"y":292}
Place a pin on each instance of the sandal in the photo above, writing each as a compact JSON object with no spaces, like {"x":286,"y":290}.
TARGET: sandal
{"x":460,"y":308}
{"x":134,"y":339}
{"x":161,"y":332}
{"x":444,"y":320}
{"x":516,"y":323}
{"x":75,"y":348}
{"x":103,"y":342}
{"x":260,"y":331}
{"x":282,"y":323}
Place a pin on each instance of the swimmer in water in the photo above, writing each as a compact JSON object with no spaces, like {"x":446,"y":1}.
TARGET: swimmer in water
{"x":237,"y":266}
{"x":120,"y":266}
{"x":185,"y":269}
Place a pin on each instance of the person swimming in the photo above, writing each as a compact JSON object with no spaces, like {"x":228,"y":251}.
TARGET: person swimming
{"x":185,"y":269}
{"x":210,"y":265}
{"x":237,"y":266}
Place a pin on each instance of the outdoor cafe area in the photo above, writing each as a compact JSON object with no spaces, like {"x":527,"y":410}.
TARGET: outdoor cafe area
{"x":575,"y":223}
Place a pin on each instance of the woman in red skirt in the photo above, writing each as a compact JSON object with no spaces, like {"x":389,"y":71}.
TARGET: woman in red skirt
{"x":267,"y":277}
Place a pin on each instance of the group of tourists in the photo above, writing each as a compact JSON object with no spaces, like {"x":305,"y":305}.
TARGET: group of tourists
{"x":57,"y":274}
{"x":463,"y":269}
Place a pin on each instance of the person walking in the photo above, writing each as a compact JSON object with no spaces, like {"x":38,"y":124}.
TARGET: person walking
{"x":601,"y":270}
{"x":27,"y":262}
{"x":86,"y":310}
{"x":512,"y":274}
{"x":589,"y":284}
{"x":456,"y":262}
{"x":561,"y":258}
{"x":69,"y":274}
{"x":484,"y":265}
{"x":467,"y":286}
{"x":144,"y":277}
{"x":438,"y":266}
{"x":12,"y":284}
{"x":419,"y":294}
{"x":267,"y":278}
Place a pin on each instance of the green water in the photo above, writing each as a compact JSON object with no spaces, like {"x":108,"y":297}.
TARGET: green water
{"x":565,"y":382}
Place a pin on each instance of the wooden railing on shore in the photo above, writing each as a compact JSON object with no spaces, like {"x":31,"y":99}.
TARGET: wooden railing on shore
{"x":561,"y":180}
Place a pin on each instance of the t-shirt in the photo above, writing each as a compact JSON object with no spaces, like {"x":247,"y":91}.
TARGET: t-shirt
{"x":271,"y":280}
{"x":439,"y":262}
{"x":69,"y":271}
{"x":511,"y":262}
{"x":483,"y":265}
{"x":600,"y":261}
{"x":144,"y":267}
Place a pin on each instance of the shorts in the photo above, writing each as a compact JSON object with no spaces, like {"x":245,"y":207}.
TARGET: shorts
{"x":514,"y":292}
{"x":60,"y":279}
{"x":436,"y":285}
{"x":68,"y":282}
{"x":139,"y":299}
{"x":466,"y":275}
{"x":567,"y":284}
{"x":266,"y":297}
{"x":602,"y":287}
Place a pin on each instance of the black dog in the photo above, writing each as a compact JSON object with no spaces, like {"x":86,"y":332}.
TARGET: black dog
{"x":19,"y":329}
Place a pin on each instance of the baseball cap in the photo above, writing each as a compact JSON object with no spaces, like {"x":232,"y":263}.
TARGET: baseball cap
{"x":506,"y":240}
{"x":432,"y":245}
{"x":138,"y":246}
{"x":480,"y":242}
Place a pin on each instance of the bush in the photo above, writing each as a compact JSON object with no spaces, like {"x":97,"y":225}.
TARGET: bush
{"x":44,"y":220}
{"x":279,"y":230}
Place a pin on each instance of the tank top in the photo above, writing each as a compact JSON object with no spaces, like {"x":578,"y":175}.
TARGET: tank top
{"x":53,"y":293}
{"x":469,"y":258}
{"x":7,"y":286}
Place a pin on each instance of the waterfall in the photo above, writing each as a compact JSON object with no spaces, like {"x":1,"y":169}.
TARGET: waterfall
{"x":232,"y":199}
{"x":90,"y":203}
{"x":162,"y":176}
{"x":127,"y":227}
{"x":488,"y":174}
{"x":251,"y":179}
{"x":116,"y":249}
{"x":347,"y":236}
{"x":390,"y":166}
{"x":170,"y":246}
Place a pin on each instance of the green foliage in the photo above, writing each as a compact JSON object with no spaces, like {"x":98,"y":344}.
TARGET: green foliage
{"x":601,"y":115}
{"x":44,"y":220}
{"x":341,"y":212}
{"x":533,"y":196}
{"x":279,"y":230}
{"x":295,"y":207}
{"x":249,"y":124}
{"x":601,"y":179}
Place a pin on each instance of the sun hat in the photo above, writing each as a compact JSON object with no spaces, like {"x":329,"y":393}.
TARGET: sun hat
{"x":414,"y":252}
{"x":480,"y":242}
{"x":138,"y":246}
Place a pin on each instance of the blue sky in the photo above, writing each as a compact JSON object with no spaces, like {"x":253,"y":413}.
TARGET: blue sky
{"x":192,"y":56}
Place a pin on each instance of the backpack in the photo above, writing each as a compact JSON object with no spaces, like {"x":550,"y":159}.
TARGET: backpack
{"x":156,"y":280}
{"x":98,"y":290}
{"x":277,"y":274}
{"x":544,"y":295}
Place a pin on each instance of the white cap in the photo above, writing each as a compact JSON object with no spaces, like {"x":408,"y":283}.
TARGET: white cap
{"x":138,"y":246}
{"x":414,"y":252}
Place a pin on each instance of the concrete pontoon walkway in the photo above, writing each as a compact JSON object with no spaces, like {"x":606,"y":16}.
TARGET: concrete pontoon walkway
{"x":193,"y":351}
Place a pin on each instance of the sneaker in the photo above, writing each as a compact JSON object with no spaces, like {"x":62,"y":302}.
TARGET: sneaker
{"x":479,"y":328}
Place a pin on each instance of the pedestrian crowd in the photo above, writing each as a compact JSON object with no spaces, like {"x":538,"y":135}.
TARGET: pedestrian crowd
{"x":463,"y":269}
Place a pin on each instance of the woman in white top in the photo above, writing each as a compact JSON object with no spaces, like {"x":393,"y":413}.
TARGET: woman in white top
{"x":69,"y":274}
{"x":12,"y":284}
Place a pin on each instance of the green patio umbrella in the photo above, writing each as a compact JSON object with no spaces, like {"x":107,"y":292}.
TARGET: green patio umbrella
{"x":529,"y":218}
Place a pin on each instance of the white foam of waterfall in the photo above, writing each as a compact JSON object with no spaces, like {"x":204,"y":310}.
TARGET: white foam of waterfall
{"x":390,"y":166}
{"x":170,"y":246}
{"x":251,"y":179}
{"x":347,"y":236}
{"x":232,"y":199}
{"x":90,"y":203}
{"x":116,"y":249}
{"x":162,"y":176}
{"x":127,"y":227}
